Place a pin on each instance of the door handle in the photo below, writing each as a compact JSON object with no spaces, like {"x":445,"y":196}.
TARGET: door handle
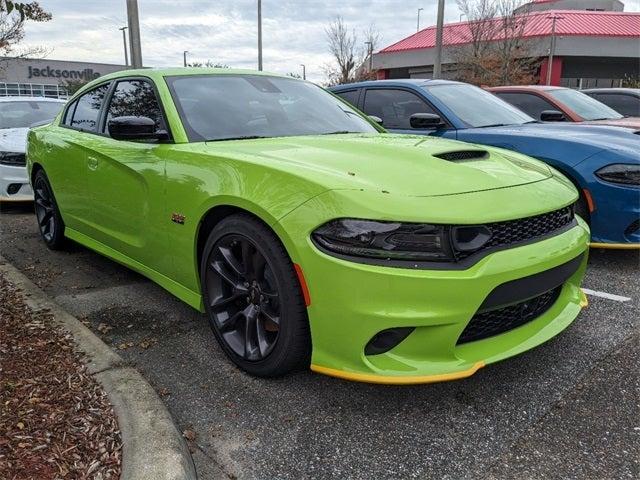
{"x":92,"y":162}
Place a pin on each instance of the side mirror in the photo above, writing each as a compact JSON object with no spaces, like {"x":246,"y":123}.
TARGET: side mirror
{"x":425,"y":120}
{"x":552,"y":116}
{"x":135,"y":128}
{"x":375,"y":119}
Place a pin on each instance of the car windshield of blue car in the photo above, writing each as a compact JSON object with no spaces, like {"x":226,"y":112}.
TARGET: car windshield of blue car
{"x":476,"y":107}
{"x":585,"y":106}
{"x":23,"y":114}
{"x":231,"y":107}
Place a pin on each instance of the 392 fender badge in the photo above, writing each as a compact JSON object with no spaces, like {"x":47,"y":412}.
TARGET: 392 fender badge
{"x":177,"y":218}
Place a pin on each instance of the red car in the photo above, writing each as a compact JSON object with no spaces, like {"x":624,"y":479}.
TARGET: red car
{"x":559,"y":104}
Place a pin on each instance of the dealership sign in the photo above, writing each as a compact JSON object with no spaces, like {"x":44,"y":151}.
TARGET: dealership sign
{"x":86,"y":74}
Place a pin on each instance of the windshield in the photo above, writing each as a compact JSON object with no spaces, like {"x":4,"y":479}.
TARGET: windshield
{"x":477,"y":107}
{"x":585,"y":106}
{"x":224,"y":107}
{"x":23,"y":114}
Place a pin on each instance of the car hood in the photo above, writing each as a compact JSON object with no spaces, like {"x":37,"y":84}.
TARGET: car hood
{"x":629,"y":122}
{"x":13,"y":139}
{"x":395,"y":164}
{"x":573,"y":141}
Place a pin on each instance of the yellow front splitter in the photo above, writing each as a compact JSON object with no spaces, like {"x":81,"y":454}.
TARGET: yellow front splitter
{"x":616,"y":246}
{"x":397,"y":380}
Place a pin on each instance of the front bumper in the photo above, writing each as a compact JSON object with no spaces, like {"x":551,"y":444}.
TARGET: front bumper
{"x":352,"y":302}
{"x":14,"y":184}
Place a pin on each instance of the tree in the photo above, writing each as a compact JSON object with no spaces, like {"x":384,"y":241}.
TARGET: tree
{"x":208,"y":64}
{"x":13,"y":16}
{"x":348,"y":56}
{"x":497,"y":52}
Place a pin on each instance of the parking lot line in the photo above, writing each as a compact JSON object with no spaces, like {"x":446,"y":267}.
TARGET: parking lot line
{"x":608,"y":296}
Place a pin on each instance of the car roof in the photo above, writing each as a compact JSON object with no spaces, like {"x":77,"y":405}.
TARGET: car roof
{"x":416,"y":82}
{"x":30,"y":99}
{"x":634,"y":91}
{"x":531,"y":88}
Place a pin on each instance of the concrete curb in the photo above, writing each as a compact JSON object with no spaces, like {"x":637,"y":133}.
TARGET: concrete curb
{"x":153,"y":448}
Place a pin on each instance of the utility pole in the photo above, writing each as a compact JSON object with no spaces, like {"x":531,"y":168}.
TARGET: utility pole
{"x":184,"y":58}
{"x":134,"y":33}
{"x":437,"y":66}
{"x":260,"y":35}
{"x":370,"y":54}
{"x":124,"y":41}
{"x":552,"y":48}
{"x":418,"y":25}
{"x":304,"y":71}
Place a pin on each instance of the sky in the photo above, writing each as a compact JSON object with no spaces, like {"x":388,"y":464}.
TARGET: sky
{"x":225,"y":31}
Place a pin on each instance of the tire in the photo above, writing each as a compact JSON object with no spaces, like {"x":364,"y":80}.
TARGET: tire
{"x":50,"y":222}
{"x":253,"y":299}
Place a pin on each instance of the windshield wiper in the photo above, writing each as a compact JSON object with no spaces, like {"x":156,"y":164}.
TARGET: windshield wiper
{"x":495,"y":125}
{"x":338,"y":132}
{"x":244,"y":137}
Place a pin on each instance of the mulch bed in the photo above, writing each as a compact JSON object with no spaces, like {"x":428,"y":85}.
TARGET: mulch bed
{"x":55,"y":420}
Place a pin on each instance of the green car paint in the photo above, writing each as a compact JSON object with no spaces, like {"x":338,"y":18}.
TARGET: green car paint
{"x":120,"y":197}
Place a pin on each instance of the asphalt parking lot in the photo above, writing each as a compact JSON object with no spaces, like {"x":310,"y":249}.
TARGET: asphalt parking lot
{"x":568,"y":409}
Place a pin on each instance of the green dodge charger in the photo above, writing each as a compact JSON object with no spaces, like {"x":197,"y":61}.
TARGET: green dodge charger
{"x":308,"y":235}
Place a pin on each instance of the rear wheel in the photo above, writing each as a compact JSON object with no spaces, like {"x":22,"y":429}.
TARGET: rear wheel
{"x":253,"y":298}
{"x":49,"y":220}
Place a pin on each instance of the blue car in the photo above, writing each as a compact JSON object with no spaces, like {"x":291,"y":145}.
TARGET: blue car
{"x":603,"y":162}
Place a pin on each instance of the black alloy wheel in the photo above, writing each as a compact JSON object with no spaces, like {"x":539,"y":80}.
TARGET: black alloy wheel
{"x":253,"y":299}
{"x":48,"y":216}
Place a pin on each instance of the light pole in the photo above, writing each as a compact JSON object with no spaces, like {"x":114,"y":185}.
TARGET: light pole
{"x":124,"y":41}
{"x":260,"y":35}
{"x":304,"y":71}
{"x":370,"y":54}
{"x":552,"y":47}
{"x":134,"y":33}
{"x":184,"y":58}
{"x":437,"y":65}
{"x":418,"y":25}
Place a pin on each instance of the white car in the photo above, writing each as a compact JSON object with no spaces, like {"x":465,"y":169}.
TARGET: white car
{"x":17,"y":114}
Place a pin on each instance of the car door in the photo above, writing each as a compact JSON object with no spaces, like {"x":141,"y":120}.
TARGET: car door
{"x":125,"y":179}
{"x":69,"y":147}
{"x":395,"y":107}
{"x":530,"y":103}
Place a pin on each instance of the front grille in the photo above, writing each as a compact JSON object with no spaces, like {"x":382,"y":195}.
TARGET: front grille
{"x":489,"y":323}
{"x":13,"y":159}
{"x":462,"y":155}
{"x":524,"y":229}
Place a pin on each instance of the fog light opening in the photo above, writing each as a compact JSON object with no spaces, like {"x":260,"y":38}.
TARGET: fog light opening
{"x":14,"y":188}
{"x":386,"y":340}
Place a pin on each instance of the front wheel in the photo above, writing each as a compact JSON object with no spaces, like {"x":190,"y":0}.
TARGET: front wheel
{"x":48,"y":215}
{"x":253,"y":298}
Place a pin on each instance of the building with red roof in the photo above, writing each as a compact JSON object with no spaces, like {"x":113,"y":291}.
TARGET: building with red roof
{"x":597,"y":44}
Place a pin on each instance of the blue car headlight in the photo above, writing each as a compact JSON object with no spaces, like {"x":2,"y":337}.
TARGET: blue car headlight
{"x":620,"y":173}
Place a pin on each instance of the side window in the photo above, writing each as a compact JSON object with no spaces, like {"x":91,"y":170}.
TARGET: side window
{"x":530,"y":104}
{"x":85,"y":115}
{"x":350,"y":96}
{"x":394,"y":107}
{"x":68,"y":114}
{"x":626,"y":105}
{"x":135,"y":98}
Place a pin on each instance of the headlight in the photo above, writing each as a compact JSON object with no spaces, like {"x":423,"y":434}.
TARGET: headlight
{"x":620,"y":173}
{"x":385,"y":240}
{"x":14,"y":159}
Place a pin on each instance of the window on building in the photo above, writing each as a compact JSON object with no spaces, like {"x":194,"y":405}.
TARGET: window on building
{"x":626,"y":105}
{"x":350,"y":96}
{"x":394,"y":107}
{"x":135,"y":98}
{"x":529,"y":103}
{"x":85,"y":115}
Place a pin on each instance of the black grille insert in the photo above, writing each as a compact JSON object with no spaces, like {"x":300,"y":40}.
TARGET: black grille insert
{"x":462,"y":155}
{"x":488,"y":323}
{"x":524,"y":229}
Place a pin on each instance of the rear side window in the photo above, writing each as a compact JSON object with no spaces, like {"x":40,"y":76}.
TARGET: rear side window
{"x":135,"y":98}
{"x":87,"y":109}
{"x":530,"y":104}
{"x":626,"y":105}
{"x":394,"y":107}
{"x":350,"y":96}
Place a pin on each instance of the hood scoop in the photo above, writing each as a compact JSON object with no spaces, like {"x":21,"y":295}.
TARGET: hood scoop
{"x":463,"y":155}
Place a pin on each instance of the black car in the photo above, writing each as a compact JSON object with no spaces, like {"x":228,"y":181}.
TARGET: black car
{"x":625,"y":101}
